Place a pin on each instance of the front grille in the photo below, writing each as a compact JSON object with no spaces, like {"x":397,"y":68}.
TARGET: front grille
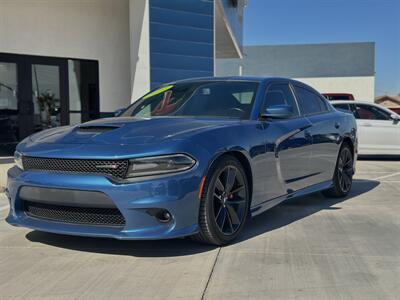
{"x":116,"y":168}
{"x":75,"y":215}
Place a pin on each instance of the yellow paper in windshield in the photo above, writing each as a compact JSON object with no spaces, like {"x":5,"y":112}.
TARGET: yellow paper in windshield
{"x":158,"y":91}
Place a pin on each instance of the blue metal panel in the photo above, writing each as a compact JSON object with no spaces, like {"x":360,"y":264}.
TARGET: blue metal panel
{"x":181,"y":33}
{"x":204,"y":7}
{"x":162,"y":75}
{"x":167,"y":16}
{"x":184,"y":48}
{"x":181,"y":40}
{"x":173,"y":61}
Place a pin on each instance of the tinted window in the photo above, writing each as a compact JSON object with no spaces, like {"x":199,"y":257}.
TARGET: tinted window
{"x":338,"y":97}
{"x":280,"y":94}
{"x":369,"y":112}
{"x":309,"y":102}
{"x":215,"y":99}
{"x":343,"y":107}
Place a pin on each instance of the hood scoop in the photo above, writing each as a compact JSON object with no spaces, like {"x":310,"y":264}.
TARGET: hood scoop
{"x":96,"y":128}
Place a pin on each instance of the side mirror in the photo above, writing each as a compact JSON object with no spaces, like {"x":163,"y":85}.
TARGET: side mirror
{"x":395,"y":117}
{"x":278,"y":112}
{"x":119,"y":112}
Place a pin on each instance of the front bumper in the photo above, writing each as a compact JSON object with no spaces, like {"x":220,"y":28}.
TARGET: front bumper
{"x":175,"y":193}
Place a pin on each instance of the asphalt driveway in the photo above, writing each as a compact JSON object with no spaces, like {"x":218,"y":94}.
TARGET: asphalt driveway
{"x":308,"y":248}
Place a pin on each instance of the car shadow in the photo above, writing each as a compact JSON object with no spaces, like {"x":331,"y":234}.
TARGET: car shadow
{"x":279,"y":216}
{"x":153,"y":248}
{"x":298,"y":208}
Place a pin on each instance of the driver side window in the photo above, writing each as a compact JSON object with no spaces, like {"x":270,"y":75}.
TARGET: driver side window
{"x":369,"y":112}
{"x":280,"y":94}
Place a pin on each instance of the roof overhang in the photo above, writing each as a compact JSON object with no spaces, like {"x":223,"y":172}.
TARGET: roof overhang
{"x":227,"y":44}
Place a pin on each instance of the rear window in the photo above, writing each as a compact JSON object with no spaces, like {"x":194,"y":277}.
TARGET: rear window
{"x":342,"y":106}
{"x":309,"y":102}
{"x":338,"y":97}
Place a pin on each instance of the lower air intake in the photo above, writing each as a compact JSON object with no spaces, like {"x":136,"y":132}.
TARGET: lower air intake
{"x":75,"y":215}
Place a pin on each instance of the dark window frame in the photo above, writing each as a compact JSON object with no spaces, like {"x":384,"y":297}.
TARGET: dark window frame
{"x":317,"y":95}
{"x":263,"y":103}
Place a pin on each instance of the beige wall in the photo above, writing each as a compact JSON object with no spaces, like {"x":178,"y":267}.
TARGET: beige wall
{"x":140,"y":47}
{"x":90,"y":29}
{"x":361,"y":87}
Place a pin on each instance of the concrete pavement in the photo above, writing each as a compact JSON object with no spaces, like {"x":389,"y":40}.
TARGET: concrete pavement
{"x":309,"y":248}
{"x":5,"y":164}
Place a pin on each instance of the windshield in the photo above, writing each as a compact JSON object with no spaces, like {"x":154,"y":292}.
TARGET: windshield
{"x":231,"y":99}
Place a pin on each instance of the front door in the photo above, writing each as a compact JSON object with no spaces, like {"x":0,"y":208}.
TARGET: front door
{"x":289,"y":168}
{"x":378,"y":133}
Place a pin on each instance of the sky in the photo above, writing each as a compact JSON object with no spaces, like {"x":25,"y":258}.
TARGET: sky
{"x":277,"y":22}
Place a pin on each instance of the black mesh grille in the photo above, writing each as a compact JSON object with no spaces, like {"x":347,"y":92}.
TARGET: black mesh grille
{"x":75,"y":215}
{"x":116,"y":168}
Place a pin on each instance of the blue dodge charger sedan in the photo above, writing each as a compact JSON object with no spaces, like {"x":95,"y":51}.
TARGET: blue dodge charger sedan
{"x":191,"y":158}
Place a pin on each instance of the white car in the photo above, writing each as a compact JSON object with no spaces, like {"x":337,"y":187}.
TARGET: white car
{"x":378,"y":127}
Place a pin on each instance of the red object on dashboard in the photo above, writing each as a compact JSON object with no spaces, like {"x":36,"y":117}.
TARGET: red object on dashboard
{"x":338,"y":96}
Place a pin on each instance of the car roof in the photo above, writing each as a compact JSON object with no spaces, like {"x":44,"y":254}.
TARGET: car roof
{"x":362,"y":102}
{"x":237,"y":78}
{"x":337,"y":94}
{"x":352,"y":102}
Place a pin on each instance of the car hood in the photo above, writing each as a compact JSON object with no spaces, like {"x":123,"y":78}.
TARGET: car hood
{"x":128,"y":131}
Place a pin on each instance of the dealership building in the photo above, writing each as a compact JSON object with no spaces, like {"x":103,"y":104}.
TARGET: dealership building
{"x":65,"y":62}
{"x":329,"y":68}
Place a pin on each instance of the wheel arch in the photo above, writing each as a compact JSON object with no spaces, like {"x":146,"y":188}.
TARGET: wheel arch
{"x":347,"y":140}
{"x":244,"y":161}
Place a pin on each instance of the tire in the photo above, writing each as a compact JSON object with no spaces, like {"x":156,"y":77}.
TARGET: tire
{"x":343,"y":176}
{"x":224,"y":203}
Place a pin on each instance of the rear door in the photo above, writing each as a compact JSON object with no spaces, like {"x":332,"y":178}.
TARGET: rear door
{"x":378,"y":133}
{"x":324,"y":132}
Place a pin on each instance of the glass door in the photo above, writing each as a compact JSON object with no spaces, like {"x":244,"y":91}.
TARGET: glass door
{"x":46,"y":96}
{"x":9,"y":132}
{"x":33,"y":95}
{"x":38,"y":93}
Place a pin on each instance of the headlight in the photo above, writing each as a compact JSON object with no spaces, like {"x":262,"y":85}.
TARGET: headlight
{"x":157,"y":165}
{"x":18,"y":160}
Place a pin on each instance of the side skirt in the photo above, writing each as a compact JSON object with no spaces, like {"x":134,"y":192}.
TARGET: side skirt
{"x":273,"y":202}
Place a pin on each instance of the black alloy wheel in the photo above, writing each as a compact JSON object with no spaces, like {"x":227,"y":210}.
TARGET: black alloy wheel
{"x":345,"y":170}
{"x":229,"y":200}
{"x":224,"y":203}
{"x":343,"y":176}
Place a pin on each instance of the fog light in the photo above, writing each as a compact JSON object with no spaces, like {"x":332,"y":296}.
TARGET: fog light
{"x":162,"y":215}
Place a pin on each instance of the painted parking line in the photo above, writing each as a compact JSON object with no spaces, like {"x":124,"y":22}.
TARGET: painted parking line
{"x":387,"y":176}
{"x":389,"y":181}
{"x":6,"y":160}
{"x":4,"y":207}
{"x":374,"y":172}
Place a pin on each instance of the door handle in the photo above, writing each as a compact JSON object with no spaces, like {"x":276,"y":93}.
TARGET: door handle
{"x":367,"y":124}
{"x":337,"y":125}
